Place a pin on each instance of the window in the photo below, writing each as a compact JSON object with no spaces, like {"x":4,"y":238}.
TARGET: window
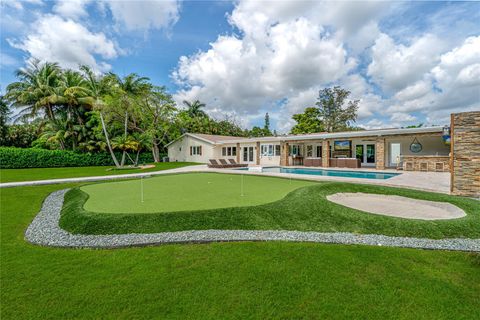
{"x":295,"y":150}
{"x":269,"y":150}
{"x":319,"y":151}
{"x":229,"y":151}
{"x":277,"y":150}
{"x":196,"y":150}
{"x":310,"y":151}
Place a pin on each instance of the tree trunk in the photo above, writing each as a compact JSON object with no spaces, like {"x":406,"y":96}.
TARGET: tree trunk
{"x":125,"y":137}
{"x":136,"y":159}
{"x":108,"y":142}
{"x":122,"y":163}
{"x":155,"y":152}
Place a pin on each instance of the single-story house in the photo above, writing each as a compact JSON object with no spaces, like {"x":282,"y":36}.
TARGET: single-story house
{"x":425,"y":148}
{"x":454,"y":148}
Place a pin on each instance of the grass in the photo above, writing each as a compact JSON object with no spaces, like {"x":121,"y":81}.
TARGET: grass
{"x":305,"y":208}
{"x":226,"y":280}
{"x":187,"y":192}
{"x":32,"y":174}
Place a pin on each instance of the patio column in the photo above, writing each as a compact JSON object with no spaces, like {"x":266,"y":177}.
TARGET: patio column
{"x":380,"y":154}
{"x":238,"y":153}
{"x":257,"y":154}
{"x":325,"y":153}
{"x":284,"y":147}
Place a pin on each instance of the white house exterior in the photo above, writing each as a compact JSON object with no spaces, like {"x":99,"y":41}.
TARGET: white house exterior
{"x":369,"y":148}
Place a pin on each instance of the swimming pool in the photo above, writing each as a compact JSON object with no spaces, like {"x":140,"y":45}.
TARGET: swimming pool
{"x":330,"y":173}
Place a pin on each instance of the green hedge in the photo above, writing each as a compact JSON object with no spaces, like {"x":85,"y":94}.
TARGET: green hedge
{"x":17,"y":158}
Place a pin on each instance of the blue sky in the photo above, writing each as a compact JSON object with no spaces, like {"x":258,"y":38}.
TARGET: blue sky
{"x":407,"y":62}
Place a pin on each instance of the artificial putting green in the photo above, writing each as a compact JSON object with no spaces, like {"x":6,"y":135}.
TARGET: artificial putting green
{"x":187,"y":192}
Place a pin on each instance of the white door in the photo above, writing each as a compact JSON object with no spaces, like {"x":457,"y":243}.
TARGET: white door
{"x":247,"y":154}
{"x":394,"y":154}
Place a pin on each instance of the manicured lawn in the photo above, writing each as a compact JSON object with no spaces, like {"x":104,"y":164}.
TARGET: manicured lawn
{"x":187,"y":192}
{"x":226,"y":280}
{"x":189,"y":202}
{"x":31,"y":174}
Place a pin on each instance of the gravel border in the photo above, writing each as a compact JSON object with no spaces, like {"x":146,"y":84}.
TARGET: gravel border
{"x":44,"y":230}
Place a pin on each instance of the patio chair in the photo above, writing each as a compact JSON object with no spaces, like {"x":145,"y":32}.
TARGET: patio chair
{"x":214,"y":164}
{"x":408,"y":166}
{"x":234,"y":163}
{"x":439,"y":166}
{"x":424,"y":166}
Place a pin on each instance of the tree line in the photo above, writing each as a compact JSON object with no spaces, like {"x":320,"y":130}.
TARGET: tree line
{"x":83,"y":111}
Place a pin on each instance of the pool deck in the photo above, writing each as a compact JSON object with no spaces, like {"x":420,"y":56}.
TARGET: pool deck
{"x":428,"y":181}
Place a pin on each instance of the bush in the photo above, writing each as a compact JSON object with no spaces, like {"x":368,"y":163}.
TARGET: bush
{"x":17,"y":158}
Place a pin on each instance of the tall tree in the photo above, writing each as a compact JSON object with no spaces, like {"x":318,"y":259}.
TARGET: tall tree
{"x":307,"y":122}
{"x":97,"y":88}
{"x":35,"y":91}
{"x":336,"y":113}
{"x":266,"y":126}
{"x":194,"y":109}
{"x":4,"y":117}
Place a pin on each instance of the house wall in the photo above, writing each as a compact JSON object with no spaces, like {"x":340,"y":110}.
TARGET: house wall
{"x":269,"y":160}
{"x":465,"y":158}
{"x":217,"y":151}
{"x":180,"y":150}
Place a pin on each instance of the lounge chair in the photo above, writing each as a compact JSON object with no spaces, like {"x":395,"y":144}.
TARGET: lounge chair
{"x":234,"y":163}
{"x":214,"y":164}
{"x":225,"y":164}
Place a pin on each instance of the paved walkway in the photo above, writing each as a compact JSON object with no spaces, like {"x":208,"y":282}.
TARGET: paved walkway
{"x":428,"y":181}
{"x":44,"y":230}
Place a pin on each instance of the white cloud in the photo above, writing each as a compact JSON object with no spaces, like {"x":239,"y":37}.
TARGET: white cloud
{"x":279,"y":56}
{"x":145,"y":14}
{"x":71,"y":8}
{"x":53,"y":38}
{"x":452,"y":85}
{"x":394,"y":66}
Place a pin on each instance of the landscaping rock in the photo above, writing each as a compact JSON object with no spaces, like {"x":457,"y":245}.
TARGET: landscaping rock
{"x":44,"y":230}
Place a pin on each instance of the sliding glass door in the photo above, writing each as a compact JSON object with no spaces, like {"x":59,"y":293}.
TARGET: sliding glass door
{"x":366,"y":153}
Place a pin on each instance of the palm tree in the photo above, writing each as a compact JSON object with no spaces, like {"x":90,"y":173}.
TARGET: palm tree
{"x":74,"y":94}
{"x":124,"y":93}
{"x":97,"y":88}
{"x":35,"y":92}
{"x":194,"y":109}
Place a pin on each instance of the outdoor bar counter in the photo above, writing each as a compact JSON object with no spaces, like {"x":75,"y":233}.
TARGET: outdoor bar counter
{"x":426,"y":163}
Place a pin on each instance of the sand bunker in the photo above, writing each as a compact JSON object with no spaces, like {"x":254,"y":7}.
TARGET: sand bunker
{"x":397,"y":206}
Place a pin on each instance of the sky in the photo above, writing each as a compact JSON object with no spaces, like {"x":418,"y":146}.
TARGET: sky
{"x":406,"y":62}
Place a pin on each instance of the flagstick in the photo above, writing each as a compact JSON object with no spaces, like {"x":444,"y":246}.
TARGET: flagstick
{"x":141,"y":187}
{"x":241,"y":188}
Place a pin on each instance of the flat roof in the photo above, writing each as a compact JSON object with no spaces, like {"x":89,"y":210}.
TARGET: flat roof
{"x":334,"y":135}
{"x":219,"y":140}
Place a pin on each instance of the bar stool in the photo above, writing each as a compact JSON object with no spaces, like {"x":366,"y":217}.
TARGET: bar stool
{"x":423,"y":166}
{"x":408,"y":165}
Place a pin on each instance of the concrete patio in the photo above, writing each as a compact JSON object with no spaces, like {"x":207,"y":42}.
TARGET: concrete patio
{"x":428,"y":181}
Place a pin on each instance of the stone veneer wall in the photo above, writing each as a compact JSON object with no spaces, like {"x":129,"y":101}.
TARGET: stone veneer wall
{"x":284,"y":150}
{"x":257,"y":154}
{"x":465,"y":155}
{"x":380,"y":154}
{"x":239,"y":151}
{"x":325,"y":153}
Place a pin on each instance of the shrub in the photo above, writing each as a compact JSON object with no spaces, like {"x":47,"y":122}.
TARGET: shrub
{"x":17,"y":158}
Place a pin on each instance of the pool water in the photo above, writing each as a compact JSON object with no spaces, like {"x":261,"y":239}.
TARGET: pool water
{"x":330,"y":173}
